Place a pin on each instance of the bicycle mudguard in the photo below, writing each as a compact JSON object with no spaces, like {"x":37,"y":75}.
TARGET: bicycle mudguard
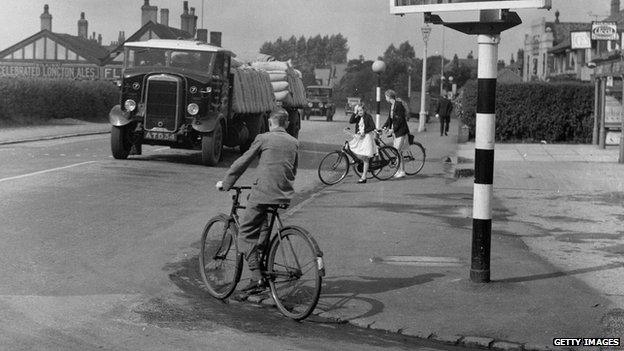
{"x":317,"y":249}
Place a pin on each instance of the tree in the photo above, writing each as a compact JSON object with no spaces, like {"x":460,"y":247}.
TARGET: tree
{"x":308,"y":54}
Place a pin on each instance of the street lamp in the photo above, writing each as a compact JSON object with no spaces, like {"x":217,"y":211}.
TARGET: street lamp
{"x":452,"y":85}
{"x":426,"y":30}
{"x":409,"y":82}
{"x":378,"y":67}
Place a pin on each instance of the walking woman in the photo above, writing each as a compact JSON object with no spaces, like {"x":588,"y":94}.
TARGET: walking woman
{"x":363,"y":143}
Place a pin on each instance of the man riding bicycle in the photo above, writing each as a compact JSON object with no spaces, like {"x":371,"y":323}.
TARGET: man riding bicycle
{"x":277,"y":167}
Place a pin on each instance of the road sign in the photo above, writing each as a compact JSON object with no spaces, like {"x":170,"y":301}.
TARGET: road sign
{"x":415,"y":6}
{"x":604,"y":31}
{"x":580,"y":40}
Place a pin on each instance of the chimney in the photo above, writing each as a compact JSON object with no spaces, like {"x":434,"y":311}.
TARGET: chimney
{"x":615,"y":7}
{"x":164,"y":17}
{"x":193,"y":22}
{"x":215,"y":38}
{"x":83,"y":26}
{"x":202,"y":35}
{"x":184,"y":18}
{"x":122,"y":37}
{"x":557,"y":14}
{"x":148,"y":13}
{"x":46,"y":19}
{"x":100,"y":39}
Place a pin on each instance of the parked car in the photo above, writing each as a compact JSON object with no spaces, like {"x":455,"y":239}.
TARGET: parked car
{"x":351,"y":103}
{"x":320,"y":102}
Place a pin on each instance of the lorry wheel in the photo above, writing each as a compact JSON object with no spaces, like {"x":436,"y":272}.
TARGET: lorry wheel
{"x":212,"y":145}
{"x":330,"y":115}
{"x":256,"y":125}
{"x":120,"y":142}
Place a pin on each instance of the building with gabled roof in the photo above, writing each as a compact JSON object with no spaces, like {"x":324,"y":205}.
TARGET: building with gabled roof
{"x":49,"y":54}
{"x":547,"y":51}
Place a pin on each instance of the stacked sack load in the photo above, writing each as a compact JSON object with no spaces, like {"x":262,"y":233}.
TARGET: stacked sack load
{"x":252,"y":90}
{"x":286,"y":82}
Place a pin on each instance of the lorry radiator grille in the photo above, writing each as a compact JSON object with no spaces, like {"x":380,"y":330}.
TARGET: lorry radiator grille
{"x":161,"y":103}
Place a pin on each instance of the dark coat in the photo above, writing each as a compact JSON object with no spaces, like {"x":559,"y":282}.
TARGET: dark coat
{"x":369,"y":123}
{"x":396,"y":120}
{"x":277,"y":167}
{"x":445,"y":107}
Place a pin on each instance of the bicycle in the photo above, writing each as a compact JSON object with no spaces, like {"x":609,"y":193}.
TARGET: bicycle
{"x":413,"y":156}
{"x":292,"y":263}
{"x":334,"y":166}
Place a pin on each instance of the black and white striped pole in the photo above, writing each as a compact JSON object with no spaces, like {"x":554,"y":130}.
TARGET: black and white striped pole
{"x":484,"y":155}
{"x":378,"y":67}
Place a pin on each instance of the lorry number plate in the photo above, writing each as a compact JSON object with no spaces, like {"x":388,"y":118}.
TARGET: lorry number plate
{"x":160,"y":136}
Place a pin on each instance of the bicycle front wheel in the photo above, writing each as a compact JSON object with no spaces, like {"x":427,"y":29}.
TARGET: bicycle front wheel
{"x":414,"y":158}
{"x":220,"y":264}
{"x":386,"y":163}
{"x":295,"y":269}
{"x":333,"y":168}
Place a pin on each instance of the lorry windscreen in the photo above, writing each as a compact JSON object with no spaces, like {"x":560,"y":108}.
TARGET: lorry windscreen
{"x":196,"y":61}
{"x":318,"y":92}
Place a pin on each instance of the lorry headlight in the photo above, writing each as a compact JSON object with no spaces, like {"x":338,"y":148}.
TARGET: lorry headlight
{"x":310,"y":104}
{"x":130,"y":105}
{"x":192,"y":109}
{"x":321,"y":105}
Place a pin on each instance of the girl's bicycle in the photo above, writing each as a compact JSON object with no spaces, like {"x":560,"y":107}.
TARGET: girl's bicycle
{"x":413,"y":156}
{"x":334,"y":166}
{"x":292,"y":263}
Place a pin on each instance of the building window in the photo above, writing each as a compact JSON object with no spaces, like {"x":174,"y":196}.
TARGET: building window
{"x":28,"y":52}
{"x":535,"y":66}
{"x":61,"y":52}
{"x":50,"y":47}
{"x":39,"y":49}
{"x":72,"y":55}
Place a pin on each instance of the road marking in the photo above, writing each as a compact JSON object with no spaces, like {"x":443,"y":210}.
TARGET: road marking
{"x":45,"y":171}
{"x":418,"y":261}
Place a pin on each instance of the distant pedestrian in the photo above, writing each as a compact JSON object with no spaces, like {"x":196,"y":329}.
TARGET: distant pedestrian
{"x":363,"y":143}
{"x":443,"y":113}
{"x":397,"y":120}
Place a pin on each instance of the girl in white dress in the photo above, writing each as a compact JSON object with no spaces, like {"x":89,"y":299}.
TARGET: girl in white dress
{"x":363,"y":143}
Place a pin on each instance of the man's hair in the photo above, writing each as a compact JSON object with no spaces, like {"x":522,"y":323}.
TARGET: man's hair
{"x":391,"y":94}
{"x":279,"y":117}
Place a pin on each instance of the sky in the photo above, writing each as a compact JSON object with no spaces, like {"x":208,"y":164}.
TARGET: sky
{"x":246,"y":24}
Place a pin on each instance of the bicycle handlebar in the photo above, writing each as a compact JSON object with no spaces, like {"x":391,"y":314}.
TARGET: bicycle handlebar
{"x":239,"y":188}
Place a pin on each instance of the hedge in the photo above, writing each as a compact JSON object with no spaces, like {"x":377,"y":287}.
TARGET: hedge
{"x":28,"y":101}
{"x":535,"y":112}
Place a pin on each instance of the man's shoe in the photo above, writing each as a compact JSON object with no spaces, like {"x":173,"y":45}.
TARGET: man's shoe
{"x":255,"y":286}
{"x":361,"y":181}
{"x":445,"y":133}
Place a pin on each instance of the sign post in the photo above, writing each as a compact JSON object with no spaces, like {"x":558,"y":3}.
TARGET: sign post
{"x":494,"y":19}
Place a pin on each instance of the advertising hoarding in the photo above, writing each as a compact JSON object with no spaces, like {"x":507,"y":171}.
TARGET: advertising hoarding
{"x":580,"y":40}
{"x":415,"y":6}
{"x":602,"y":30}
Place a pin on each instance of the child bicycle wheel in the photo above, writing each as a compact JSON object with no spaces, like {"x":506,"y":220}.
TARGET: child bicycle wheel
{"x":386,"y":163}
{"x":333,"y":168}
{"x":220,"y":263}
{"x":414,"y":158}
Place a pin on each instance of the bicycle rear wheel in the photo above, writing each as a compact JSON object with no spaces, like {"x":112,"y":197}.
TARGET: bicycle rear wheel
{"x":295,"y":269}
{"x":386,"y":163}
{"x":333,"y":168}
{"x":220,"y":264}
{"x":414,"y":158}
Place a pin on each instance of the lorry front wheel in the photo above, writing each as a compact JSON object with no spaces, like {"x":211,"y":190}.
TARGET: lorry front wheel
{"x":120,"y":142}
{"x":212,"y":145}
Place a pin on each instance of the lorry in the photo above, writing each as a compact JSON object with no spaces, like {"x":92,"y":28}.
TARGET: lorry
{"x":320,"y":102}
{"x":183,"y":94}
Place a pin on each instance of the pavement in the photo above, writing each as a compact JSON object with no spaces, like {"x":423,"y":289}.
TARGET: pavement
{"x":397,"y":253}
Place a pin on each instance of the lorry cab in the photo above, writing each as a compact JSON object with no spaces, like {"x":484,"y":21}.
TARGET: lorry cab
{"x":175,"y":93}
{"x":320,"y":102}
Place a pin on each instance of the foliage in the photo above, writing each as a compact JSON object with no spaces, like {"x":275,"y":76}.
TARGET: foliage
{"x":533,"y":112}
{"x":308,"y":54}
{"x":25,"y":100}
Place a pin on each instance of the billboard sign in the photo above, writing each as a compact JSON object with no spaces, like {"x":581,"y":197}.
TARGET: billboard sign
{"x":604,"y":31}
{"x":580,"y":40}
{"x":414,"y":6}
